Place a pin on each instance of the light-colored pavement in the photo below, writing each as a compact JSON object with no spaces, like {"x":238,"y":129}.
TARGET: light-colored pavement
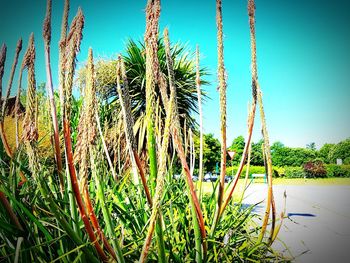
{"x":318,"y":225}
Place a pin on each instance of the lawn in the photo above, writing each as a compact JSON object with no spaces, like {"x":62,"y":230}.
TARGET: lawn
{"x":208,"y":186}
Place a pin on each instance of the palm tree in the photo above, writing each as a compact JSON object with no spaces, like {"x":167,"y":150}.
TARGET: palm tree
{"x":135,"y":63}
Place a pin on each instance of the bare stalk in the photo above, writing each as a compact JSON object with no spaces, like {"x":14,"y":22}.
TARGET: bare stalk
{"x":2,"y":69}
{"x":248,"y":158}
{"x":49,"y":87}
{"x":199,"y":95}
{"x":152,"y":69}
{"x":10,"y":211}
{"x":125,"y":102}
{"x":86,"y":142}
{"x":267,"y":151}
{"x":222,"y":91}
{"x":160,"y":179}
{"x":18,"y":50}
{"x":105,"y":146}
{"x":251,"y":13}
{"x":178,"y":142}
{"x":73,"y":41}
{"x":62,"y":52}
{"x":13,"y":69}
{"x":17,"y":104}
{"x":30,"y":138}
{"x":128,"y":121}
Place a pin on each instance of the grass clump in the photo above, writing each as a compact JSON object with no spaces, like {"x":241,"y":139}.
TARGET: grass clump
{"x":89,"y":211}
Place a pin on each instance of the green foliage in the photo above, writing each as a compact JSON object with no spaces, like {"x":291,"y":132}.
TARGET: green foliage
{"x":331,"y":152}
{"x":286,"y":156}
{"x":311,"y":146}
{"x":341,"y":151}
{"x":135,"y":64}
{"x":252,"y":170}
{"x":211,"y":151}
{"x":294,"y":172}
{"x":46,"y":240}
{"x":237,"y":146}
{"x":334,"y":170}
{"x":326,"y":152}
{"x":257,"y":157}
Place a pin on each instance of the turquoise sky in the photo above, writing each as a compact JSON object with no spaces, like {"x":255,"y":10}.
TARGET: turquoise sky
{"x":303,"y":56}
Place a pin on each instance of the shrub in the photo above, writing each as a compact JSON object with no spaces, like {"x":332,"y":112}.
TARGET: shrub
{"x":277,"y":171}
{"x":315,"y":169}
{"x":334,"y":170}
{"x":294,"y":172}
{"x":252,"y":170}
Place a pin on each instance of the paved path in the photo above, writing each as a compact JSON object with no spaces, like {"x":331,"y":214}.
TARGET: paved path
{"x":318,"y":226}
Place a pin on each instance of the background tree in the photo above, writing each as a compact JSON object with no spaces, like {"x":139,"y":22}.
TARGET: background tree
{"x":311,"y":146}
{"x":341,"y":151}
{"x":257,"y":154}
{"x":211,"y":151}
{"x":135,"y":64}
{"x":237,"y":146}
{"x":326,"y":152}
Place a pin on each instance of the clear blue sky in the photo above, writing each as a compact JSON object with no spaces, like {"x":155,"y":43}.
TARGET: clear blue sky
{"x":303,"y":56}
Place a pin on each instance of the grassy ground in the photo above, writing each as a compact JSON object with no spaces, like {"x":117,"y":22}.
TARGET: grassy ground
{"x":321,"y":181}
{"x":208,"y":186}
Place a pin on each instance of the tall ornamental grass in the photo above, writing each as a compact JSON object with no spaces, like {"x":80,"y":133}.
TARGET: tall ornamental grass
{"x":82,"y":205}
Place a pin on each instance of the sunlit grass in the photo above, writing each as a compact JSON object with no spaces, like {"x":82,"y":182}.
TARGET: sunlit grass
{"x":208,"y":186}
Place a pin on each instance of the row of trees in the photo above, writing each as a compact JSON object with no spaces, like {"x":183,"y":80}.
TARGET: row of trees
{"x":281,"y":154}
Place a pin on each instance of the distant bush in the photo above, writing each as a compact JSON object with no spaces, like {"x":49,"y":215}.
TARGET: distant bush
{"x":315,"y":169}
{"x":277,"y":171}
{"x":252,"y":170}
{"x":312,"y":169}
{"x":334,"y":170}
{"x":294,"y":172}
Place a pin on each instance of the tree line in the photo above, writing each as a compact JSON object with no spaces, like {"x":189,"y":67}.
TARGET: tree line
{"x":282,"y":155}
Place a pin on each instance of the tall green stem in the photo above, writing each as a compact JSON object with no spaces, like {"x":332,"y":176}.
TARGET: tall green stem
{"x":199,"y":94}
{"x":105,"y":212}
{"x":222,"y":90}
{"x":151,"y":37}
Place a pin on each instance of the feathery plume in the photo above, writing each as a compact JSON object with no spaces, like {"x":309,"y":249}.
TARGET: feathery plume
{"x":49,"y":87}
{"x":47,"y":23}
{"x":2,"y":66}
{"x":125,"y":102}
{"x":199,"y":95}
{"x":160,"y":179}
{"x":251,"y":112}
{"x":179,"y":144}
{"x":30,"y":130}
{"x":73,"y":46}
{"x":152,"y":69}
{"x":222,"y":91}
{"x":62,"y":52}
{"x":13,"y":69}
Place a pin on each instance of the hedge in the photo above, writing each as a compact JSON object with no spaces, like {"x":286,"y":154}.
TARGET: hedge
{"x":293,"y":172}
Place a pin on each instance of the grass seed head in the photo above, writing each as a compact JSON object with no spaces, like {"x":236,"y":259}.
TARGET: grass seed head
{"x":30,"y":130}
{"x":251,"y":8}
{"x":47,"y":24}
{"x":2,"y":67}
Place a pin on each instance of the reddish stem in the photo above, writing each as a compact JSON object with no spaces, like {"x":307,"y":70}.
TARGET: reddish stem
{"x":75,"y":186}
